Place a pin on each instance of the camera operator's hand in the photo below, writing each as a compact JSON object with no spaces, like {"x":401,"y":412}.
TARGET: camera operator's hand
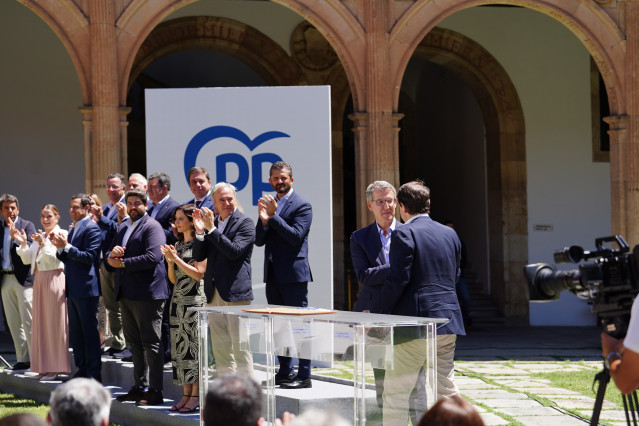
{"x":623,"y":363}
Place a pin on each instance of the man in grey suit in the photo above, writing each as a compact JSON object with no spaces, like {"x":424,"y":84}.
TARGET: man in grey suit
{"x":424,"y":265}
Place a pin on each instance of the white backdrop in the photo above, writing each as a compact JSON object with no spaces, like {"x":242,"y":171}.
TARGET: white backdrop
{"x":236,"y":134}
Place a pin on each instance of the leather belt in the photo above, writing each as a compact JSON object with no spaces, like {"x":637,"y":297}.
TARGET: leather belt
{"x":8,"y":272}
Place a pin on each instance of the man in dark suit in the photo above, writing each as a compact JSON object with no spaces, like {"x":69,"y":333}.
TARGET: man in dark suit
{"x":141,"y":289}
{"x":226,"y":242}
{"x":161,"y":208}
{"x":283,"y":227}
{"x":161,"y":205}
{"x":16,"y":280}
{"x":424,"y":264}
{"x":370,"y":249}
{"x":108,"y":218}
{"x":80,"y":252}
{"x":200,"y":185}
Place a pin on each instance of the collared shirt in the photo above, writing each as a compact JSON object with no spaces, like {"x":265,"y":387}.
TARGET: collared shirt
{"x":111,"y":210}
{"x":130,"y":228}
{"x":156,"y":207}
{"x":198,"y":203}
{"x":221,"y":224}
{"x":70,"y":241}
{"x":282,"y":201}
{"x":386,"y":239}
{"x":414,"y":217}
{"x":6,"y":244}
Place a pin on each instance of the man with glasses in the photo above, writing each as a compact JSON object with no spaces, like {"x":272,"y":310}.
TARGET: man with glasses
{"x":370,"y":249}
{"x":108,"y":218}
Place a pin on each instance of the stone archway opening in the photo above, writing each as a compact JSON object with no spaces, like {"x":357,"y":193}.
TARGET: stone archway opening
{"x":503,"y":161}
{"x":201,"y":51}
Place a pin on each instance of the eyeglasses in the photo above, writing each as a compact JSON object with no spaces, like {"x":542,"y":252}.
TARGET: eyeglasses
{"x":381,"y":203}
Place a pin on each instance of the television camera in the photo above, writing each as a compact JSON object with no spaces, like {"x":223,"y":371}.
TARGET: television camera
{"x":609,"y":283}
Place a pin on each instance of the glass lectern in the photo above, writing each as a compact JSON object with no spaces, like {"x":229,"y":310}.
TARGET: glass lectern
{"x":344,"y":347}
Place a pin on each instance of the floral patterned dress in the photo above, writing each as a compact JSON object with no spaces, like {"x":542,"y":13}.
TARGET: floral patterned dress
{"x":187,"y":292}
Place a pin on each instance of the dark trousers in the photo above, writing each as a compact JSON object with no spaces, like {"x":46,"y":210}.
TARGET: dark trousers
{"x":142,"y":323}
{"x":289,"y":294}
{"x":84,"y":336}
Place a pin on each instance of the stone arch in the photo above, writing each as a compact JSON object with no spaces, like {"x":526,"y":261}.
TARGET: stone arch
{"x":601,"y":36}
{"x":225,"y":35}
{"x":505,"y":154}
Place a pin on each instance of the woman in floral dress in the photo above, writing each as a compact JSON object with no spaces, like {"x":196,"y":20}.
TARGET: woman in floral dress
{"x":186,"y":275}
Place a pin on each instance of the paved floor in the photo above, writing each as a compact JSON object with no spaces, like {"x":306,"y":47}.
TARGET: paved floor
{"x":494,"y":368}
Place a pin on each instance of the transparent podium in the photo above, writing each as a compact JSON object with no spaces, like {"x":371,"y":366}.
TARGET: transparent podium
{"x":347,"y":351}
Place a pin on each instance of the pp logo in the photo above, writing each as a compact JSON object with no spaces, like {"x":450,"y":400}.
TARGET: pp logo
{"x":221,"y":161}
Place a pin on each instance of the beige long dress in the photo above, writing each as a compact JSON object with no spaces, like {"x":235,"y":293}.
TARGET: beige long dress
{"x":49,"y":325}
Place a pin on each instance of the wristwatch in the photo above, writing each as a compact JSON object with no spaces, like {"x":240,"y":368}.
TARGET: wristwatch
{"x":608,"y":360}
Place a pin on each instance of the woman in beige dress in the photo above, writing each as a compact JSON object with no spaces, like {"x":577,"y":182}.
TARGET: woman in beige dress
{"x":49,"y":326}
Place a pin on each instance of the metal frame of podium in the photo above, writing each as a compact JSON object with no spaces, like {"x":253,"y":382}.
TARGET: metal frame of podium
{"x":358,"y":322}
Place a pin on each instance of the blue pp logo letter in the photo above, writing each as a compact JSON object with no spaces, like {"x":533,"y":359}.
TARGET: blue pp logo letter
{"x":222,"y":160}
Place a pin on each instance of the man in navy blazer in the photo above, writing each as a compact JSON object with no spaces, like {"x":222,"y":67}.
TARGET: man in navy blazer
{"x":226,"y":243}
{"x":424,"y":265}
{"x":283,"y":227}
{"x":370,"y":250}
{"x":161,"y":205}
{"x":141,"y":289}
{"x":16,"y":281}
{"x":80,"y":253}
{"x":162,"y":208}
{"x":108,"y":219}
{"x":200,"y":185}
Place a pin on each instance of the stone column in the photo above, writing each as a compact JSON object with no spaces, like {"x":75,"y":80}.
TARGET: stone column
{"x":105,"y":137}
{"x":376,"y":155}
{"x":87,"y":124}
{"x":626,"y":151}
{"x":618,"y":126}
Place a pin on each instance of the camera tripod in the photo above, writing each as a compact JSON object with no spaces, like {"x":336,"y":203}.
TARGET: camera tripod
{"x":630,"y":401}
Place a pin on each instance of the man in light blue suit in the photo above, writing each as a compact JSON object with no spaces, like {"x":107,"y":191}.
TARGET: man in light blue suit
{"x":282,"y":227}
{"x":424,"y":265}
{"x":80,"y":253}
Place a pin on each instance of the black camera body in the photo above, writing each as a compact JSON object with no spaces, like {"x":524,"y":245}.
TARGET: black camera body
{"x":609,"y":283}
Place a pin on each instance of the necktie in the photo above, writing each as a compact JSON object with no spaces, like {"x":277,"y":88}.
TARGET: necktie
{"x":198,"y":204}
{"x":71,"y":235}
{"x":151,"y":209}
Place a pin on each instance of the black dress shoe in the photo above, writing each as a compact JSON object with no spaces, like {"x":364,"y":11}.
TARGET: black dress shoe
{"x":127,"y":359}
{"x":151,"y":397}
{"x":298,"y":384}
{"x":21,"y":366}
{"x":135,"y":394}
{"x":280,"y":380}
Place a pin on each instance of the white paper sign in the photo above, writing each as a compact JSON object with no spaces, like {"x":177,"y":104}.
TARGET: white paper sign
{"x":236,"y":134}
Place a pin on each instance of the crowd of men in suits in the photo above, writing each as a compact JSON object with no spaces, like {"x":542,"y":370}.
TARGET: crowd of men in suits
{"x":404,"y":270}
{"x":114,"y":251}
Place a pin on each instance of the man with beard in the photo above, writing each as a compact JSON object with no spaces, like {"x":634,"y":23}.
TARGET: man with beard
{"x":282,"y":227}
{"x":16,"y":281}
{"x":140,"y":287}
